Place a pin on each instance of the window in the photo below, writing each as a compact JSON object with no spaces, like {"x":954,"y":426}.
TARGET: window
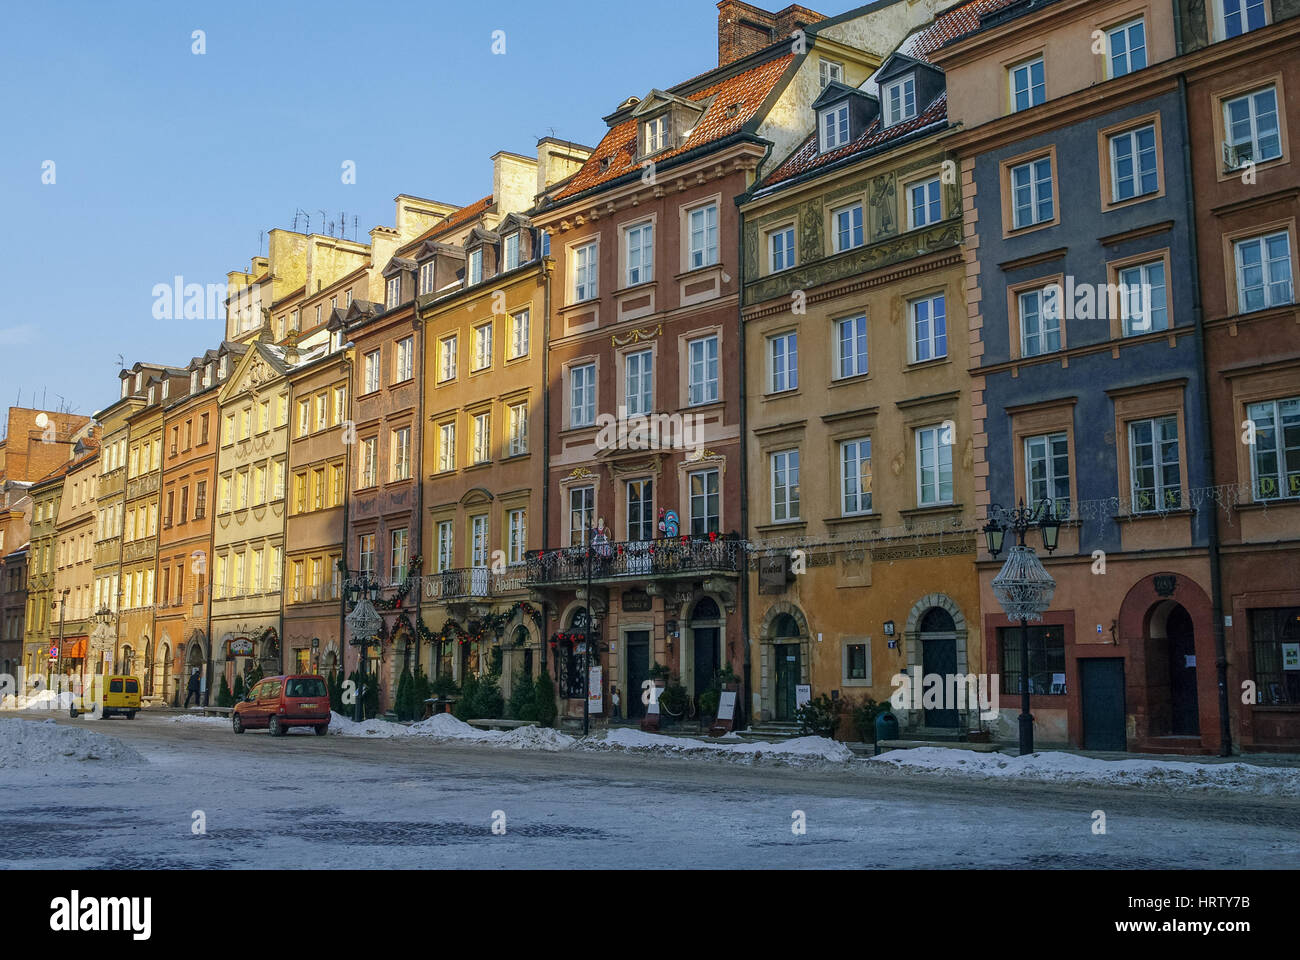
{"x":924,"y":204}
{"x":1250,"y":124}
{"x":219,"y":583}
{"x":1047,"y":471}
{"x":372,"y":371}
{"x":366,"y":554}
{"x":1153,"y":464}
{"x":482,"y":438}
{"x":584,"y":273}
{"x":1143,"y":304}
{"x":1263,"y":271}
{"x":640,"y":510}
{"x":402,"y":361}
{"x":483,"y":346}
{"x":446,"y":447}
{"x":340,"y":404}
{"x":934,"y":466}
{"x":1040,"y":321}
{"x":518,"y":429}
{"x":857,"y":665}
{"x":900,"y":100}
{"x":445,"y":559}
{"x":834,"y":127}
{"x":783,"y":362}
{"x":397,"y":558}
{"x":851,"y":347}
{"x":846,"y":227}
{"x":304,"y":417}
{"x":259,"y":486}
{"x":200,"y":499}
{"x":703,"y":246}
{"x":203,"y":429}
{"x":1126,"y":48}
{"x":1027,"y":87}
{"x":510,"y":251}
{"x":639,"y":241}
{"x":780,"y":249}
{"x":447,"y":358}
{"x":519,"y":323}
{"x":639,"y":382}
{"x":300,"y":492}
{"x":655,"y":134}
{"x":582,"y":395}
{"x":278,"y":469}
{"x":224,"y":493}
{"x":393,"y":294}
{"x":369,"y":461}
{"x":830,"y":71}
{"x":929,"y":328}
{"x":785,"y":485}
{"x":1242,"y":16}
{"x":478,"y":542}
{"x":703,"y":375}
{"x":401,"y":454}
{"x":322,"y":411}
{"x":1275,"y":454}
{"x":1046,"y":660}
{"x":704,"y":502}
{"x":1031,"y":193}
{"x":474,"y":268}
{"x":1134,"y":170}
{"x":518,"y":536}
{"x":426,"y":277}
{"x":855,"y":476}
{"x":581,"y":509}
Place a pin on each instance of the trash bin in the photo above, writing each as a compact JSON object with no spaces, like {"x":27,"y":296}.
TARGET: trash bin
{"x":886,"y":728}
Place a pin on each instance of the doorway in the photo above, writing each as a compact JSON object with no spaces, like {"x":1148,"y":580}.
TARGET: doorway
{"x":939,"y":656}
{"x":638,"y":671}
{"x":1184,"y":708}
{"x":787,"y":678}
{"x":1102,"y":683}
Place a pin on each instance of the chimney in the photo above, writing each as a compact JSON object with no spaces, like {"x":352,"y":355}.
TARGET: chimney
{"x":744,"y":29}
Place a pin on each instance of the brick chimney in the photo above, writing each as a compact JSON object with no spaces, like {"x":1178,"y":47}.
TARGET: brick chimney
{"x":744,"y":29}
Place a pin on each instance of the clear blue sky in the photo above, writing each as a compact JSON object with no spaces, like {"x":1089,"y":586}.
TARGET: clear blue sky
{"x":170,"y":163}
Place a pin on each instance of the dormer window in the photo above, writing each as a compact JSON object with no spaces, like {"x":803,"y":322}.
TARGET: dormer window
{"x":900,"y":100}
{"x":835,"y":127}
{"x":194,"y":381}
{"x":426,"y":277}
{"x":166,"y":385}
{"x":139,"y":382}
{"x":654,"y":134}
{"x":474,"y":274}
{"x":510,"y":251}
{"x":126,"y":387}
{"x":208,"y":374}
{"x":151,"y":395}
{"x":830,"y":71}
{"x":225,"y":367}
{"x":394,"y":292}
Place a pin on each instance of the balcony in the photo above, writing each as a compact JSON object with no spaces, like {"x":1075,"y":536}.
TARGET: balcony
{"x":470,"y":583}
{"x":637,"y":560}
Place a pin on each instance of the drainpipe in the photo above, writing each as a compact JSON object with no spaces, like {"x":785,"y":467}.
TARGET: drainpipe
{"x":418,"y":323}
{"x":547,"y":265}
{"x":1207,"y":447}
{"x":747,"y":687}
{"x":347,"y":538}
{"x":208,"y":560}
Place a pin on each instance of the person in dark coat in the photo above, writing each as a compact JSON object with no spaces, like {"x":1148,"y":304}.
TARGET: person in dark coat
{"x":193,"y":689}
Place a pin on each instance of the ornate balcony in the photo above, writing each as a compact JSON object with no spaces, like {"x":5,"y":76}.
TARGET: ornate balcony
{"x":673,"y":558}
{"x":471,"y":583}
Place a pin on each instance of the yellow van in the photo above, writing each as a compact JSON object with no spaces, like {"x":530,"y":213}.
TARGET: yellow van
{"x":121,"y":695}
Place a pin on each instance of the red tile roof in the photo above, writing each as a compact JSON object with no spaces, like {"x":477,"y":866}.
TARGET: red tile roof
{"x":746,"y":91}
{"x":950,"y":26}
{"x":457,"y":219}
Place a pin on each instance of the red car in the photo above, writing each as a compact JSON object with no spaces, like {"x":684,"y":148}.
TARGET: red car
{"x":279,"y":703}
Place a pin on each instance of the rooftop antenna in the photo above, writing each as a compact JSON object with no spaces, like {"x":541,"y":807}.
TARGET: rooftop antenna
{"x":322,"y":218}
{"x":343,"y":225}
{"x":354,"y":227}
{"x":260,"y":235}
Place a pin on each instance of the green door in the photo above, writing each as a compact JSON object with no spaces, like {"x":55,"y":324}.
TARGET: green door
{"x":787,"y":677}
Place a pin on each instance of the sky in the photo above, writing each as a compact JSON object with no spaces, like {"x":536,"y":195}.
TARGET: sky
{"x":167,"y":162}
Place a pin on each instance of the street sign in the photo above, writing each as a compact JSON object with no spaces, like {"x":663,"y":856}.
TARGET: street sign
{"x":54,"y":652}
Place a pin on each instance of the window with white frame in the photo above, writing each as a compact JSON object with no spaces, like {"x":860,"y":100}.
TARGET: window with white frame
{"x":1275,"y":454}
{"x":638,"y":393}
{"x":426,"y":277}
{"x":654,"y":134}
{"x":899,"y":100}
{"x":851,"y":346}
{"x":705,"y":516}
{"x":780,"y":249}
{"x":1142,"y":297}
{"x":703,"y":239}
{"x":1047,"y":471}
{"x":702,"y":377}
{"x":924,"y":203}
{"x":582,"y":507}
{"x":1031,"y":193}
{"x":518,"y":429}
{"x":582,"y":395}
{"x":640,"y":510}
{"x":1027,"y":85}
{"x":372,"y":371}
{"x":1241,"y":16}
{"x":640,"y":252}
{"x":445,"y":559}
{"x":518,"y":536}
{"x":783,"y":362}
{"x":519,"y":332}
{"x":397,"y":557}
{"x":1040,"y":321}
{"x":482,"y":437}
{"x":393,"y":295}
{"x":402,"y":362}
{"x":846,"y":227}
{"x":1153,"y":464}
{"x":1263,"y":271}
{"x":446,"y":447}
{"x":929,"y":328}
{"x":401,"y":454}
{"x":510,"y":251}
{"x":447,"y":358}
{"x":369,"y":461}
{"x":1126,"y":48}
{"x":478,"y":543}
{"x":584,"y":272}
{"x":855,"y":476}
{"x":483,"y":346}
{"x":834,"y":127}
{"x":1134,"y":163}
{"x":474,"y":266}
{"x":785,"y":485}
{"x":934,"y":465}
{"x":829,"y":71}
{"x":1250,"y":125}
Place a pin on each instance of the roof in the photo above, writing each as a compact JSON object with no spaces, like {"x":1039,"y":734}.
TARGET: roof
{"x":957,"y":23}
{"x":732,"y":102}
{"x":457,"y":219}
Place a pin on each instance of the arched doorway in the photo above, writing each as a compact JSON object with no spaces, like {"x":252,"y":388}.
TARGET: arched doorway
{"x":939,"y":657}
{"x":1173,"y":705}
{"x":127,"y":665}
{"x":788,"y":653}
{"x":148,"y":667}
{"x":706,"y":644}
{"x":163,"y":671}
{"x":573,"y":684}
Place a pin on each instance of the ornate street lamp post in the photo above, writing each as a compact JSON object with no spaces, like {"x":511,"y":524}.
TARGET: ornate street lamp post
{"x":364,"y":622}
{"x":1023,"y":587}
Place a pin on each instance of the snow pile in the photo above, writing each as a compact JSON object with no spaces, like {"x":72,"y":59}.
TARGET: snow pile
{"x":800,"y":748}
{"x":534,"y":738}
{"x":26,"y":743}
{"x":1069,"y":768}
{"x":196,"y":718}
{"x":444,"y":728}
{"x":40,"y":700}
{"x":341,"y":725}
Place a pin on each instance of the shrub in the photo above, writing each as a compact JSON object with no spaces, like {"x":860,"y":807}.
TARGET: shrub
{"x":523,"y":698}
{"x":658,"y":671}
{"x":239,"y":689}
{"x":480,"y":697}
{"x":404,"y":701}
{"x":672,"y":701}
{"x":544,"y":698}
{"x":224,"y":696}
{"x":370,"y":700}
{"x":818,"y":717}
{"x":420,"y":690}
{"x":334,"y":684}
{"x":864,"y":718}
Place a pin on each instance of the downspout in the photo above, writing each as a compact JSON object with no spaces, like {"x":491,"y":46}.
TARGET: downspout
{"x":547,"y":264}
{"x":208,"y":667}
{"x":747,"y":699}
{"x":418,"y":456}
{"x":347,"y":537}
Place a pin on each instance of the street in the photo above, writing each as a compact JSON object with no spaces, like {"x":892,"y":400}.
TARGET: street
{"x":303,"y":802}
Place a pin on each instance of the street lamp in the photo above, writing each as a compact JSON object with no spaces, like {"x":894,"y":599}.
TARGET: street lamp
{"x":364,"y":622}
{"x":1023,"y":587}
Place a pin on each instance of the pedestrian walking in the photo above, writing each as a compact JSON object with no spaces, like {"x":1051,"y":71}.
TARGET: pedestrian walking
{"x":192,"y":689}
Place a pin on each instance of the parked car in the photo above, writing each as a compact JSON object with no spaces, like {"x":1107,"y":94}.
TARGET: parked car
{"x":121,"y":695}
{"x":279,"y":703}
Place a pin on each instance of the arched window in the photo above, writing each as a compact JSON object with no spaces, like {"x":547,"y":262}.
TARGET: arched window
{"x":937,"y":620}
{"x":785,"y":626}
{"x":706,"y":609}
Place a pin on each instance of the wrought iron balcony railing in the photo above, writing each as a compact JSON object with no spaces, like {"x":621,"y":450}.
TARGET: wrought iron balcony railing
{"x":635,"y":559}
{"x":467,"y":583}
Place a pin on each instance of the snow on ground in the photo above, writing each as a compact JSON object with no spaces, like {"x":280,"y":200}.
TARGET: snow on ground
{"x":28,"y":743}
{"x":443,"y":727}
{"x":1055,"y":767}
{"x":802,"y":748}
{"x":41,"y":700}
{"x":196,"y":718}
